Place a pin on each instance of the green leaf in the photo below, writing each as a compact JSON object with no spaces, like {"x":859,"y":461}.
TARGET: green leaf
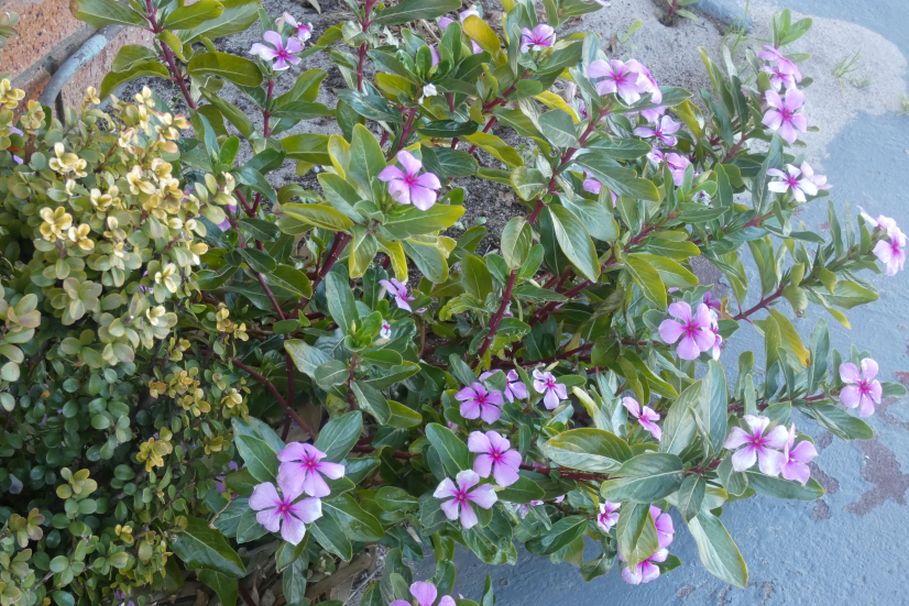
{"x":648,"y":279}
{"x":261,"y":461}
{"x":239,"y":70}
{"x":410,"y":221}
{"x":366,"y":159}
{"x":575,"y":242}
{"x":236,"y":16}
{"x":528,"y":183}
{"x":188,"y":16}
{"x":402,"y":416}
{"x":785,"y":489}
{"x":623,"y":181}
{"x":515,"y":242}
{"x":719,"y":553}
{"x":562,"y":533}
{"x":645,"y":478}
{"x":446,"y":162}
{"x":559,"y":128}
{"x":100,"y":13}
{"x":358,"y":524}
{"x":587,"y":449}
{"x":305,"y":357}
{"x":413,"y":10}
{"x":476,"y":277}
{"x":309,"y":148}
{"x":225,"y":586}
{"x":837,"y":421}
{"x":339,"y":435}
{"x":200,"y":546}
{"x":635,"y":533}
{"x":712,"y":410}
{"x":690,"y":496}
{"x":525,"y":490}
{"x":341,"y":305}
{"x":296,"y":219}
{"x":329,"y":534}
{"x":496,"y":147}
{"x":131,"y":54}
{"x":451,"y":450}
{"x":142,"y":69}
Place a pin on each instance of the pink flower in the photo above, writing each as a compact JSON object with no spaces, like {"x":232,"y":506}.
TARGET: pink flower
{"x":664,"y":527}
{"x":514,"y":386}
{"x":425,"y":594}
{"x":540,"y":37}
{"x":302,"y":469}
{"x":385,"y":330}
{"x":647,"y":570}
{"x":301,"y":31}
{"x":650,"y":86}
{"x":717,"y":348}
{"x":891,"y":251}
{"x":799,"y":181}
{"x":656,"y":156}
{"x":691,"y":331}
{"x":591,"y":185}
{"x":862,"y":390}
{"x":757,"y":444}
{"x":619,"y":78}
{"x":460,"y":497}
{"x":796,"y":458}
{"x":444,"y":22}
{"x":677,"y":164}
{"x":711,"y":301}
{"x":407,"y":186}
{"x":284,"y":513}
{"x":646,"y":416}
{"x":399,"y":292}
{"x":494,"y":455}
{"x":553,"y":392}
{"x":783,"y":70}
{"x":664,"y":130}
{"x":608,"y":515}
{"x":283,"y":55}
{"x":783,"y":115}
{"x":434,"y":53}
{"x":478,"y":402}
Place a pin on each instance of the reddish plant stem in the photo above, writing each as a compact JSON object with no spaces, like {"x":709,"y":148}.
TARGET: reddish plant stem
{"x":338,"y":245}
{"x":735,"y":149}
{"x":764,"y":303}
{"x":736,"y":406}
{"x":266,"y":111}
{"x":405,"y":132}
{"x":277,"y":395}
{"x":496,"y":318}
{"x":176,"y":74}
{"x":361,"y":51}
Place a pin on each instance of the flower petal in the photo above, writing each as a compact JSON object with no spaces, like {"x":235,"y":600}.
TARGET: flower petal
{"x":263,"y":496}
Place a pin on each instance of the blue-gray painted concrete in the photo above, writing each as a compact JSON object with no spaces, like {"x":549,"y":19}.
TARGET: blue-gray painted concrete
{"x":849,"y":547}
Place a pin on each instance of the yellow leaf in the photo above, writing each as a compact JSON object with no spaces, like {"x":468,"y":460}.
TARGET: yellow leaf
{"x":553,"y":101}
{"x":477,"y":30}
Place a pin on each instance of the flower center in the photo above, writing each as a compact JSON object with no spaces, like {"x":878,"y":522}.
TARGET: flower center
{"x":283,"y":508}
{"x":283,"y":54}
{"x":895,"y":247}
{"x":480,"y":399}
{"x":410,"y":180}
{"x":691,"y":329}
{"x":864,"y":387}
{"x":496,"y":455}
{"x":550,"y":383}
{"x":757,"y":440}
{"x":792,"y":182}
{"x":309,"y":463}
{"x":786,"y":114}
{"x":460,"y":496}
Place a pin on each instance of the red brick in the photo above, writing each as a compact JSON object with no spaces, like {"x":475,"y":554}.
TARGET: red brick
{"x":46,"y":29}
{"x":94,"y":71}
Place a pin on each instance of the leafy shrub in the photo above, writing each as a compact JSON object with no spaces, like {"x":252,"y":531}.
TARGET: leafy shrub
{"x":252,"y":384}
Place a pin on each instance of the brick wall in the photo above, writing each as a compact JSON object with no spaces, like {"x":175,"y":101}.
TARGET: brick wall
{"x":47,"y":33}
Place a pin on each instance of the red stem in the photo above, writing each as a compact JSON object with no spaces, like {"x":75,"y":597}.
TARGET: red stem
{"x":277,"y":395}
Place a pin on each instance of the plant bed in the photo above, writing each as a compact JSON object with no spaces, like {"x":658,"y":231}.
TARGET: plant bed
{"x":255,"y":356}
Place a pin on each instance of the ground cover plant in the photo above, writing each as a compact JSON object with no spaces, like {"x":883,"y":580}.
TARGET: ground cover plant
{"x":208,"y":376}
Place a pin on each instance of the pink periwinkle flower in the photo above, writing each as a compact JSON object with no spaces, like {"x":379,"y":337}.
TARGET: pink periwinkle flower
{"x":645,"y":416}
{"x":618,"y":77}
{"x":784,"y":73}
{"x":862,"y":389}
{"x":385,"y":330}
{"x":800,"y":181}
{"x":283,"y":55}
{"x":553,"y":392}
{"x":540,"y":37}
{"x":677,"y":164}
{"x":434,"y":53}
{"x":514,"y":386}
{"x":717,"y":347}
{"x":495,"y":456}
{"x":302,"y":469}
{"x":591,"y":185}
{"x":479,"y":402}
{"x":711,"y":301}
{"x":650,"y":86}
{"x":608,"y":515}
{"x":461,"y":494}
{"x":656,"y":155}
{"x":691,"y":330}
{"x":757,"y":444}
{"x":664,"y":527}
{"x":425,"y":594}
{"x":399,"y":291}
{"x":664,"y":129}
{"x":783,"y":115}
{"x":645,"y":571}
{"x":408,"y":186}
{"x":796,"y":458}
{"x":301,"y":31}
{"x":891,"y":250}
{"x":284,"y":513}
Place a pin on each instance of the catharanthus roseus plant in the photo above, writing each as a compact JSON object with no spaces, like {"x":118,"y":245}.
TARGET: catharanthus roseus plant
{"x":249,"y":383}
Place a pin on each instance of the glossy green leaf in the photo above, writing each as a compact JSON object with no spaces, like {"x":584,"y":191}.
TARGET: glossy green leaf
{"x":200,"y":546}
